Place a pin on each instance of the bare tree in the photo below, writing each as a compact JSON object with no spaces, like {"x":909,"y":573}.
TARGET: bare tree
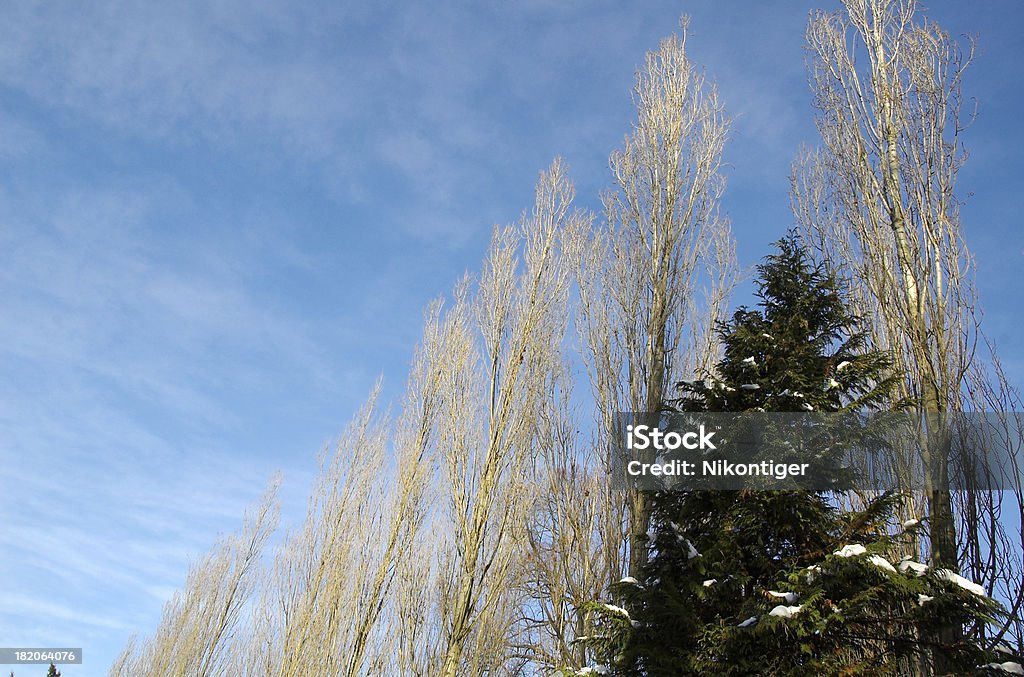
{"x":652,"y":279}
{"x":341,"y":582}
{"x":644,"y":319}
{"x":195,"y":636}
{"x":507,"y":338}
{"x":351,"y":592}
{"x":890,"y":131}
{"x":320,"y":571}
{"x":572,"y":548}
{"x":878,"y":200}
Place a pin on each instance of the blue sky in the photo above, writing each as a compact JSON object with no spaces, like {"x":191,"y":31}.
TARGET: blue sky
{"x":221,"y":221}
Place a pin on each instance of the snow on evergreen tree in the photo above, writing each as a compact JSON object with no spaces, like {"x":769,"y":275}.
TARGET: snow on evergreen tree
{"x":783,"y":582}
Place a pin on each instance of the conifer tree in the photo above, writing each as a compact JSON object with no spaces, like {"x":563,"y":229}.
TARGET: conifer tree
{"x":782,"y":582}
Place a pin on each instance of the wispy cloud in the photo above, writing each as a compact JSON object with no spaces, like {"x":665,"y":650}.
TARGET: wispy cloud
{"x":127,"y":363}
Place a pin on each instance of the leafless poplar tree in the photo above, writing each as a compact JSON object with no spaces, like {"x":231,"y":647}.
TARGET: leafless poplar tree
{"x":654,"y":275}
{"x":573,"y":538}
{"x":508,"y":338}
{"x":878,"y":200}
{"x":195,"y":635}
{"x":322,"y":570}
{"x":335,"y":579}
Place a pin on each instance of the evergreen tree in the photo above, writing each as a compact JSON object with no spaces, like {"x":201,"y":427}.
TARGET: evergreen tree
{"x":782,"y":582}
{"x":53,"y":671}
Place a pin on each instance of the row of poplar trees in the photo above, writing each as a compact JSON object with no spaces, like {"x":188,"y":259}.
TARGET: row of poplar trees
{"x":472,"y":527}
